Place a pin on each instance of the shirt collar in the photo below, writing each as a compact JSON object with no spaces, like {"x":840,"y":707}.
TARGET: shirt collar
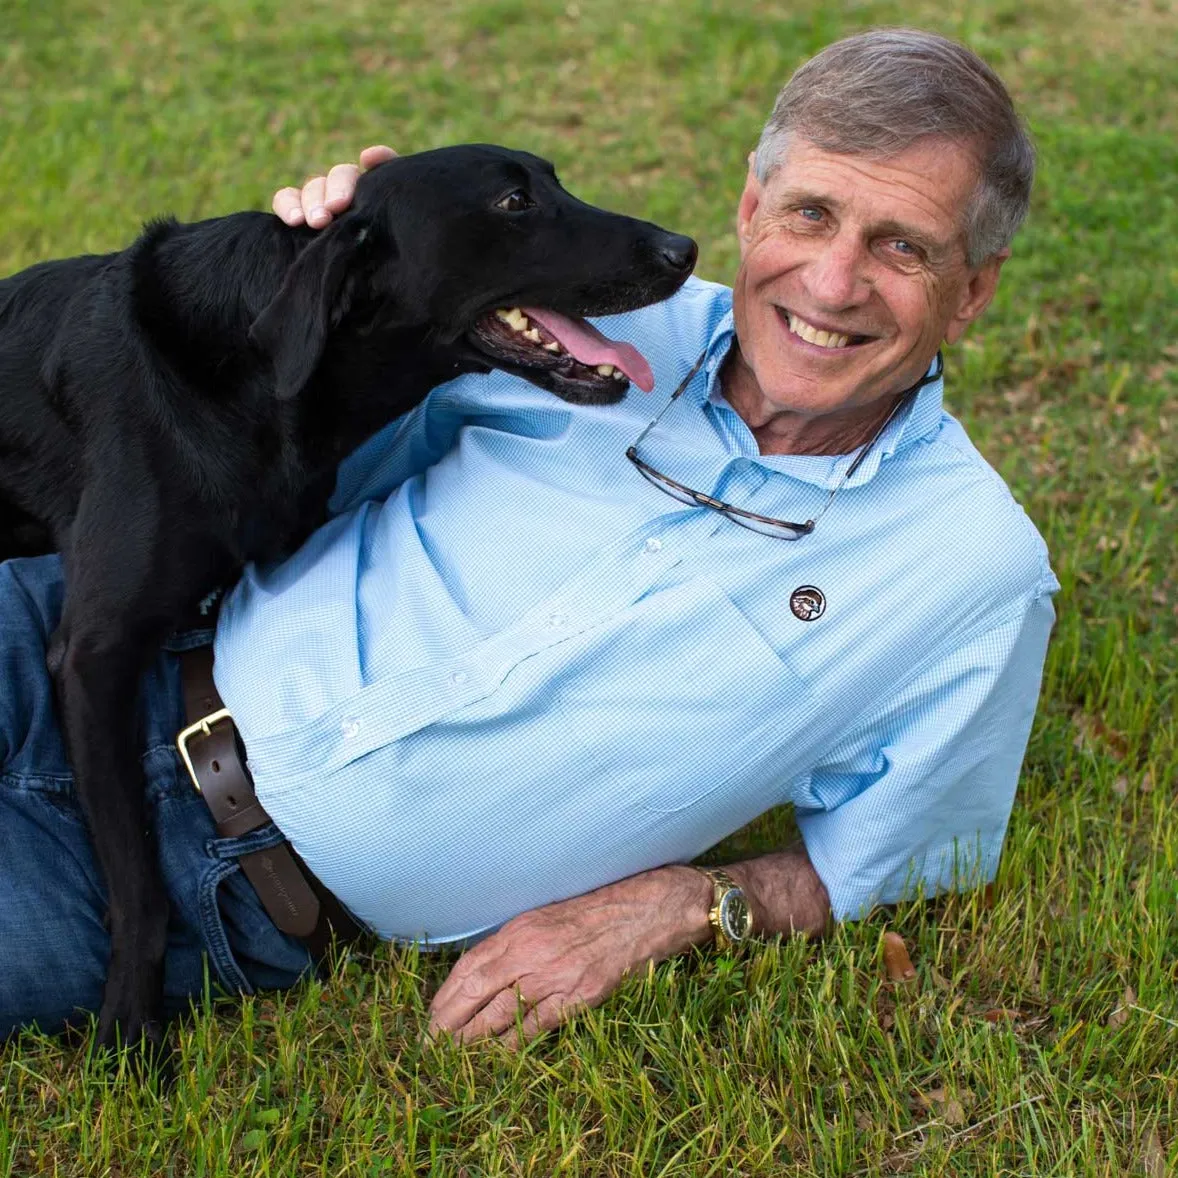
{"x":918,"y":420}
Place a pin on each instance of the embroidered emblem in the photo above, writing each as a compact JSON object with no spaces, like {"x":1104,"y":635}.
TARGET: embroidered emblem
{"x":807,"y":603}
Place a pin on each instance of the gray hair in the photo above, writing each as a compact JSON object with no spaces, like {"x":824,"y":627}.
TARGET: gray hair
{"x":877,"y":93}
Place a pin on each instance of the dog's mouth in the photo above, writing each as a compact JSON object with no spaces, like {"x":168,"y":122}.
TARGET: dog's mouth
{"x":561,"y":353}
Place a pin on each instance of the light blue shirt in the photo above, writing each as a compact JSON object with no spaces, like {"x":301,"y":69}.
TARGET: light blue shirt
{"x":509,"y":670}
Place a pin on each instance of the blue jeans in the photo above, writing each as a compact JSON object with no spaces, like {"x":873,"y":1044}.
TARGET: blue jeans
{"x":53,"y":941}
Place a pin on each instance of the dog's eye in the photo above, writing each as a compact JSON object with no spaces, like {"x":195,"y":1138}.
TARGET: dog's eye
{"x":516,"y":202}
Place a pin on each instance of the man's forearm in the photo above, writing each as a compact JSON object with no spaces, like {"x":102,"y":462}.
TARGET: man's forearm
{"x":784,"y":893}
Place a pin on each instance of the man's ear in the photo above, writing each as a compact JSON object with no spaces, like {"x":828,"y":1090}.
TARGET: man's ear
{"x":315,"y":295}
{"x":976,"y":295}
{"x":750,"y":201}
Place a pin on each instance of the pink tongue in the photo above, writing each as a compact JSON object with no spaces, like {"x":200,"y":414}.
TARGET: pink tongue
{"x":588,"y":345}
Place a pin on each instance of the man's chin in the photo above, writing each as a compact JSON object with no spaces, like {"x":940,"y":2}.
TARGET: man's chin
{"x":813,"y":390}
{"x":816,"y":385}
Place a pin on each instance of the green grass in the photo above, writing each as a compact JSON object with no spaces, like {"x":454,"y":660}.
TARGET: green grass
{"x":799,"y":1059}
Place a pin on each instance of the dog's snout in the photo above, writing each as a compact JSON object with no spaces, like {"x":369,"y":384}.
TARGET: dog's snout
{"x":679,"y":252}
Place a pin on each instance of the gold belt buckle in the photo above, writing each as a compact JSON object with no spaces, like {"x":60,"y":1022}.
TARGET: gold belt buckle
{"x":203,"y":727}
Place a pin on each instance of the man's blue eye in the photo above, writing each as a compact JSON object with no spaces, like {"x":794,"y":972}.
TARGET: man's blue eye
{"x":904,"y":247}
{"x":811,"y":213}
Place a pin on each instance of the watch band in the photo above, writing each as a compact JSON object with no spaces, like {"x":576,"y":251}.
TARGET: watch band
{"x":722,"y":885}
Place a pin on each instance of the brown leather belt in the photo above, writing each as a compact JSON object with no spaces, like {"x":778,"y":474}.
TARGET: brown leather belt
{"x":215,"y":759}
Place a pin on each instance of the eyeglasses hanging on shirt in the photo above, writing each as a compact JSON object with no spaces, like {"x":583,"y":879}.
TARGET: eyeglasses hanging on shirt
{"x":766,"y":525}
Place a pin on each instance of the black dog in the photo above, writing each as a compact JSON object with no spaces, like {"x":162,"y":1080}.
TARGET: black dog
{"x":172,"y":411}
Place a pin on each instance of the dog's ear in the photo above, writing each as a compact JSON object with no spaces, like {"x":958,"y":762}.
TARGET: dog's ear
{"x":315,"y":295}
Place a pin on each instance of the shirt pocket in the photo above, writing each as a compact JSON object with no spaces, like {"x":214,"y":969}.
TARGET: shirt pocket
{"x":680,"y":695}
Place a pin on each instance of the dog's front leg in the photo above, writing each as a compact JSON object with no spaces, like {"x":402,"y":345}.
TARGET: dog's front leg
{"x":96,"y":661}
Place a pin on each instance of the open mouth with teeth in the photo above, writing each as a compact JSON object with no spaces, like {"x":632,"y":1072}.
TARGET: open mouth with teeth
{"x":564,"y":354}
{"x":833,"y":340}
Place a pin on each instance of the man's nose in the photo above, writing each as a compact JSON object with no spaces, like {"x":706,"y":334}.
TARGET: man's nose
{"x":836,"y":275}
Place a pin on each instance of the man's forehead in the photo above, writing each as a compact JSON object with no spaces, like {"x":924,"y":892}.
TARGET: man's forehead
{"x":943,"y":150}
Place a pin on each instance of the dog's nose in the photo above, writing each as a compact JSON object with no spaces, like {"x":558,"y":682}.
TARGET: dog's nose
{"x":679,"y":252}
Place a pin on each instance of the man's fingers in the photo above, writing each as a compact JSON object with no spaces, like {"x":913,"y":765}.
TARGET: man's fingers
{"x":340,"y":187}
{"x":477,"y":977}
{"x":496,"y":1017}
{"x":377,"y":154}
{"x":546,"y":1015}
{"x":322,"y":196}
{"x":288,"y":204}
{"x":313,"y":195}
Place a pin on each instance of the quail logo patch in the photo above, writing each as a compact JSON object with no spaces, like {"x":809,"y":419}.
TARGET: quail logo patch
{"x":807,"y":603}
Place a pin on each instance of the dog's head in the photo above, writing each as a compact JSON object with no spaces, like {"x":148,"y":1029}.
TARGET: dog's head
{"x":482,"y":248}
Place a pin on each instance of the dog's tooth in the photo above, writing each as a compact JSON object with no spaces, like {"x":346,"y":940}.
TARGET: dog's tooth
{"x":619,"y":375}
{"x":554,"y":346}
{"x":533,"y":334}
{"x":605,"y":369}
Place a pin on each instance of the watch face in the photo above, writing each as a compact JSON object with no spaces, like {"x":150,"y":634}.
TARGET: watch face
{"x":735,"y":918}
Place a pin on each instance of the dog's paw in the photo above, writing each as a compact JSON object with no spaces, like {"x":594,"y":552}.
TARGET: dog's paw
{"x":140,"y":1045}
{"x":134,"y":1027}
{"x":115,"y":1033}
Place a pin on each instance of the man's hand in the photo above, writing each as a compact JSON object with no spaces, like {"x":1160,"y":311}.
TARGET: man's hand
{"x":556,"y":960}
{"x":567,"y":956}
{"x":316,"y":203}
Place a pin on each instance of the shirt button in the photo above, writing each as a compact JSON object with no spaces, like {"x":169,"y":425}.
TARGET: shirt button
{"x":555,"y":621}
{"x":458,"y":678}
{"x":349,"y":726}
{"x":653,"y":544}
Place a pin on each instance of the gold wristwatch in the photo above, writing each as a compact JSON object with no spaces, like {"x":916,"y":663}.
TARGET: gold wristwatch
{"x":730,"y":917}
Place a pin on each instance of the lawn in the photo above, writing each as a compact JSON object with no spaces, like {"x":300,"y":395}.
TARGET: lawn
{"x":1040,"y":1034}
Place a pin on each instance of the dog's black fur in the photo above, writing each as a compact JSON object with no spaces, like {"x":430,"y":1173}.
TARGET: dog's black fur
{"x":174,"y":410}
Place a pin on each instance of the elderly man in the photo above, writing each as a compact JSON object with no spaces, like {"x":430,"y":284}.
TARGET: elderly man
{"x":543,"y":656}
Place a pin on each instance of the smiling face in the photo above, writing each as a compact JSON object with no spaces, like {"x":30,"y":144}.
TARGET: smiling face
{"x":853,"y":272}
